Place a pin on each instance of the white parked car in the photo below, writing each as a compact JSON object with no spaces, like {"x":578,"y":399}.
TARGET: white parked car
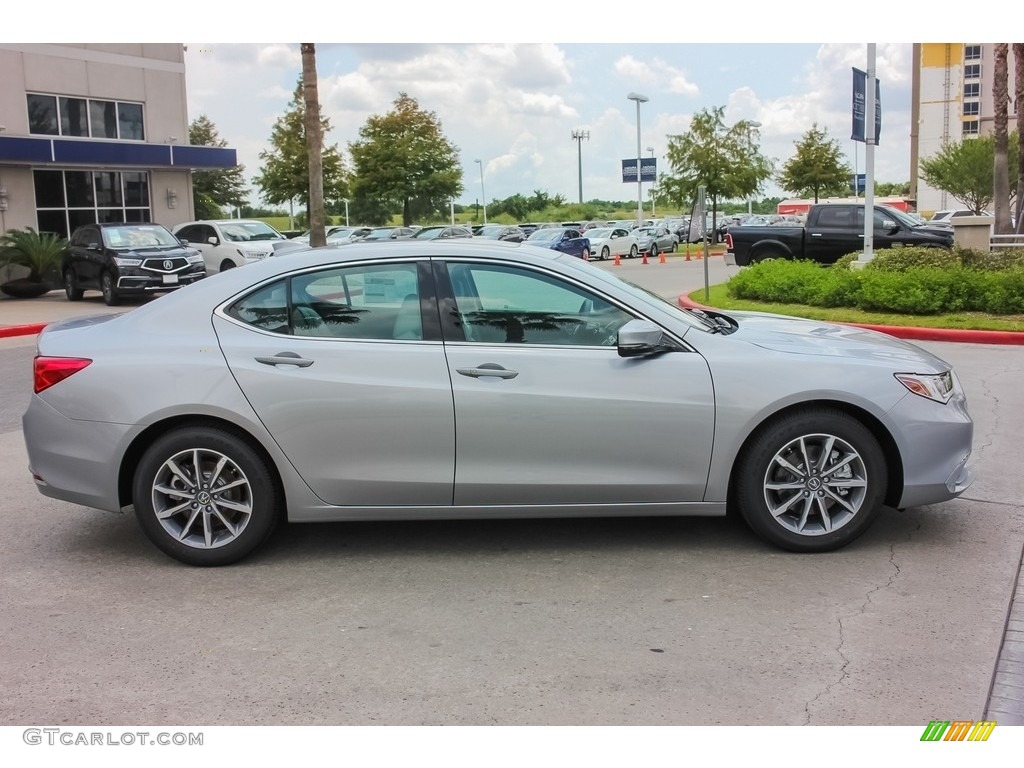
{"x":228,"y":243}
{"x":612,"y":241}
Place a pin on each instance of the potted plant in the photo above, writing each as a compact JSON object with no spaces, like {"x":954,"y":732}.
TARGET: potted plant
{"x":39,"y":252}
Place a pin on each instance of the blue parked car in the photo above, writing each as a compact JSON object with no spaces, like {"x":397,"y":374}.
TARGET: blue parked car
{"x":562,"y":239}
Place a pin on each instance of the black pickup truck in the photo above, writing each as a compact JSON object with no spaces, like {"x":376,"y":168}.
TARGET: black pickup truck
{"x":831,"y":232}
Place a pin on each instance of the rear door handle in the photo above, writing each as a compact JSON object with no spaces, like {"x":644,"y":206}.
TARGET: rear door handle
{"x":285,"y":358}
{"x":488,"y":369}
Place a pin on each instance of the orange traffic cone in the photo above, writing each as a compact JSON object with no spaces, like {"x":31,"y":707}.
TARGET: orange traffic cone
{"x":661,"y":256}
{"x":617,"y":263}
{"x":688,"y":254}
{"x":645,"y":258}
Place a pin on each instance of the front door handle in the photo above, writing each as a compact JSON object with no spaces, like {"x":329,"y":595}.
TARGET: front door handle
{"x":488,"y":369}
{"x":285,"y":358}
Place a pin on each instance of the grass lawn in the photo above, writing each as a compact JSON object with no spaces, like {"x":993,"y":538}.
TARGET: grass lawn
{"x":976,"y":321}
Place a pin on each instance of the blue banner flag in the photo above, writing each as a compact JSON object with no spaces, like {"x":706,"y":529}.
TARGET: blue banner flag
{"x":860,"y":106}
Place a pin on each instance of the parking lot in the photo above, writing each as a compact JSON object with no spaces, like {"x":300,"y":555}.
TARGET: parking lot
{"x":587,"y":622}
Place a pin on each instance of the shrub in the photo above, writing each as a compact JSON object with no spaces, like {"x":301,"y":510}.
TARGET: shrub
{"x":913,"y":257}
{"x":1003,"y":259}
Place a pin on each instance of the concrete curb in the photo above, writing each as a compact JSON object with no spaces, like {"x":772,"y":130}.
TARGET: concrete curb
{"x":21,"y":330}
{"x":914,"y":333}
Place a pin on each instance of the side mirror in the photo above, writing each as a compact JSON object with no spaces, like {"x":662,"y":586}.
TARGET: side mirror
{"x":183,"y":242}
{"x":92,"y":247}
{"x":642,"y":338}
{"x":213,"y":240}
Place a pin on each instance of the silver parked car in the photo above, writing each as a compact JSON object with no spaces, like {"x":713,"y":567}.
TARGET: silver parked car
{"x":411,"y":380}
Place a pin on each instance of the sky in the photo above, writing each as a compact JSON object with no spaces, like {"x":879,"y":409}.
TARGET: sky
{"x":510,"y":85}
{"x":515,"y":106}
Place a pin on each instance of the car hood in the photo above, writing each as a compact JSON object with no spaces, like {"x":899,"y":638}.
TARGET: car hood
{"x":798,"y":336}
{"x":937,"y":230}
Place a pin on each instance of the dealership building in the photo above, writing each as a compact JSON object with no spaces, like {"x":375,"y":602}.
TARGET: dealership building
{"x":96,"y":133}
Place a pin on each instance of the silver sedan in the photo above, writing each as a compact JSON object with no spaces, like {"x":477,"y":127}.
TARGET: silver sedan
{"x":412,"y":380}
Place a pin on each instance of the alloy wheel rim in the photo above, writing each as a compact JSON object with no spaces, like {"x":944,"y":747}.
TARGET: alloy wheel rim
{"x":815,"y":484}
{"x":202,"y":498}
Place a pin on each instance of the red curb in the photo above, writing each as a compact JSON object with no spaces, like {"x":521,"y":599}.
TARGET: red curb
{"x":916,"y":333}
{"x":21,"y":330}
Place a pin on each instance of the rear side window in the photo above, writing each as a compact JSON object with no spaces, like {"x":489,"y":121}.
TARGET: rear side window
{"x":370,"y":302}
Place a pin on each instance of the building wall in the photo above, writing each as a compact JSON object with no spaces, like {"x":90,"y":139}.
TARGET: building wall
{"x":152,"y":74}
{"x":939,"y":82}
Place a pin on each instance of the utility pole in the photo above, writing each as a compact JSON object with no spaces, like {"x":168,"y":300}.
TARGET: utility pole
{"x":578,"y":137}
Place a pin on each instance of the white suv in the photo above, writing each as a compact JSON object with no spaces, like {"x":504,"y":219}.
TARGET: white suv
{"x":227,"y":243}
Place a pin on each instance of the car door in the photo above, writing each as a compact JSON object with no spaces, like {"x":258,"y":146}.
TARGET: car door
{"x":349,"y":376}
{"x":548,"y":413}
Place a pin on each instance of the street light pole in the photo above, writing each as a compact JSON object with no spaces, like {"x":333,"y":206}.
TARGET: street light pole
{"x":483,"y":195}
{"x":578,"y":137}
{"x":346,"y":211}
{"x":751,"y":125}
{"x":639,"y":98}
{"x":653,"y":216}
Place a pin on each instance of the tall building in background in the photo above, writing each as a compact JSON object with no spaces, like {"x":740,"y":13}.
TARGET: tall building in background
{"x":951,"y":102}
{"x":96,"y":132}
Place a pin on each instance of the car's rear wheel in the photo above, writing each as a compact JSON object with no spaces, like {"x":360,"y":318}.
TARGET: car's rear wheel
{"x":204,"y":496}
{"x":633,"y":251}
{"x":605,"y":253}
{"x":108,"y":286}
{"x":811,"y":481}
{"x":586,"y":254}
{"x":71,"y":289}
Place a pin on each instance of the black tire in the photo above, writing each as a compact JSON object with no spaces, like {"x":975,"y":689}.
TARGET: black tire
{"x":108,"y":286}
{"x":766,"y":254}
{"x":71,"y":289}
{"x":585,"y":255}
{"x":605,"y":253}
{"x":226,"y":265}
{"x":817,"y":510}
{"x":210,"y":528}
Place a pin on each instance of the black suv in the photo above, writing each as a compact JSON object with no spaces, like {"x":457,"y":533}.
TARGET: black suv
{"x":120,"y":259}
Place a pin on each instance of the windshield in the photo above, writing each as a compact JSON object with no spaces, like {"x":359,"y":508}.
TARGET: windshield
{"x":431,"y":233}
{"x":599,"y":234}
{"x":138,"y":236}
{"x":900,"y":216}
{"x":490,"y":231}
{"x":546,"y":235}
{"x":245,"y":231}
{"x":380,"y":234}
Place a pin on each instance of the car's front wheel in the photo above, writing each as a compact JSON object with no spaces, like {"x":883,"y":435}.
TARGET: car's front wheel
{"x":633,"y":251}
{"x":108,"y":286}
{"x":586,"y":254}
{"x":811,"y":481}
{"x":204,"y":496}
{"x":605,"y":253}
{"x":71,"y":289}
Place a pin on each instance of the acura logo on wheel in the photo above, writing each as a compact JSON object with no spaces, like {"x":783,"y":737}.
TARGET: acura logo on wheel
{"x":168,"y":264}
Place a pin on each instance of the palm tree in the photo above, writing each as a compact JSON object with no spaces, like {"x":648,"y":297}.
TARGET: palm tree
{"x":39,"y":252}
{"x":1001,"y":100}
{"x":1018,"y":103}
{"x":314,"y":146}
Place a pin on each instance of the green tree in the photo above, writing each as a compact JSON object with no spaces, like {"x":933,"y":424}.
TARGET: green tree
{"x":211,"y":190}
{"x":403,"y":162}
{"x":816,"y":169}
{"x":965,"y":169}
{"x":723,"y":159}
{"x":284,"y":175}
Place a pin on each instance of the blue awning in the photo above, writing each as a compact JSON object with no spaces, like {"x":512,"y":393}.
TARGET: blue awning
{"x":25,"y":150}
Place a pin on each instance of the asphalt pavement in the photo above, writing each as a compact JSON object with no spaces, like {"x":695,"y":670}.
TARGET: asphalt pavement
{"x":948,"y":576}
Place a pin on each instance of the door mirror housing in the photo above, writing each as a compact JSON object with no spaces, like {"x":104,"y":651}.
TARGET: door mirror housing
{"x":642,"y":338}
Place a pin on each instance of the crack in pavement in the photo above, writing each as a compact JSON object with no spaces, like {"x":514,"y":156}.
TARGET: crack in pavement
{"x":843,"y":673}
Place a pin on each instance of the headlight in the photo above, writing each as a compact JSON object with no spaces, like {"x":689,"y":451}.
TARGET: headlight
{"x":251,"y":255}
{"x":939,"y":387}
{"x":123,"y":262}
{"x":195,"y":258}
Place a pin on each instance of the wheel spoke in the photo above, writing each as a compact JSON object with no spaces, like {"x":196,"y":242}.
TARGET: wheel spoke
{"x":207,"y":528}
{"x":188,"y":526}
{"x":234,"y":506}
{"x":839,"y":464}
{"x":788,"y":467}
{"x":179,"y":472}
{"x":178,"y":493}
{"x":826,"y":519}
{"x":172,"y":511}
{"x":840,"y":500}
{"x":217,"y":470}
{"x":793,"y":486}
{"x":826,"y":451}
{"x":784,"y":507}
{"x":802,"y":523}
{"x":227,"y":524}
{"x":234,"y":484}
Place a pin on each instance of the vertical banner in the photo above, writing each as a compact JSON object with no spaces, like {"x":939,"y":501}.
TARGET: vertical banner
{"x":697,"y":221}
{"x":860,"y":106}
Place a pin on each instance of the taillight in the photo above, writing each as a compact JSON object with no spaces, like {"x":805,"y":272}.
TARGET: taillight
{"x":728,"y":241}
{"x":48,"y":371}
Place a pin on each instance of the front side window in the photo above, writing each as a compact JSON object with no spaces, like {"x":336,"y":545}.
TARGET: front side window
{"x":500,"y":304}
